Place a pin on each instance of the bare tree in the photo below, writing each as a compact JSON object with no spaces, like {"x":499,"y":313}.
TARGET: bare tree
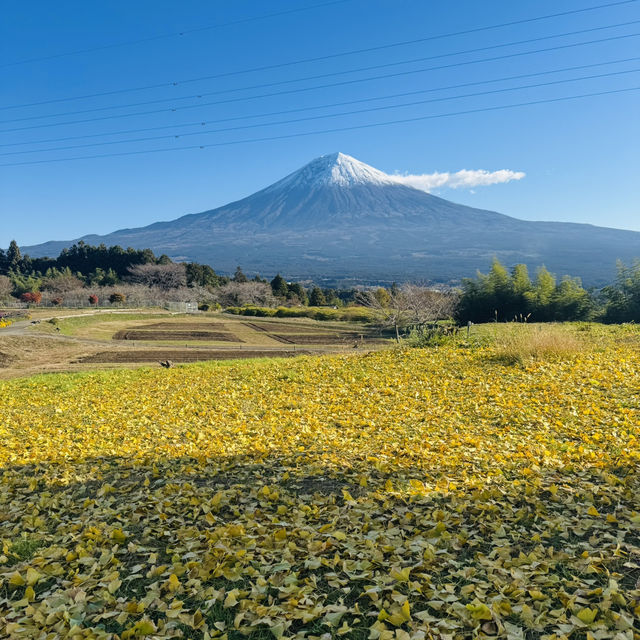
{"x":162,"y":276}
{"x":61,"y":283}
{"x":426,"y":305}
{"x":236,"y":294}
{"x":5,"y":287}
{"x":409,"y":306}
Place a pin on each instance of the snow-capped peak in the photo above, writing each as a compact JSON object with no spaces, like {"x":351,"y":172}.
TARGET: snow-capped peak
{"x":335,"y":169}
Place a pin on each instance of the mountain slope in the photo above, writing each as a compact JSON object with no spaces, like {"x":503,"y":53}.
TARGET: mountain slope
{"x":338,"y":218}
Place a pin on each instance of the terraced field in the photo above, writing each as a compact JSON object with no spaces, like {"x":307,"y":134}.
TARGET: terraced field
{"x":132,"y":338}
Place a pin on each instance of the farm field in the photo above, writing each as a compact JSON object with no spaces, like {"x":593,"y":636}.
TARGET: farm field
{"x":461,"y":491}
{"x":84,"y":340}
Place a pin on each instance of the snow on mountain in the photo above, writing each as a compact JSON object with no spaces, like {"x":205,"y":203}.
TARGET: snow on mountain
{"x":335,"y":169}
{"x":337,"y":218}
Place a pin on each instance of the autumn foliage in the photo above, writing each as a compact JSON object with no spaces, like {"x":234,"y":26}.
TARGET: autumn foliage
{"x":31,"y":297}
{"x":398,"y":495}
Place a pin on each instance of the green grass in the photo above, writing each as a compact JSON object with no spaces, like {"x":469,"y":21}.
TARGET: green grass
{"x":23,"y":549}
{"x":70,"y":326}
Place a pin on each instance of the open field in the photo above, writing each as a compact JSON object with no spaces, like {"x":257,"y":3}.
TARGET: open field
{"x":77,"y":341}
{"x":452,"y":492}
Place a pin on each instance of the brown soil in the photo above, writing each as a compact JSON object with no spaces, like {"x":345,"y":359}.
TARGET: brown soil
{"x":329,"y":339}
{"x":176,"y":334}
{"x":285,"y":327}
{"x":6,"y":359}
{"x":184,"y":355}
{"x":187,"y":326}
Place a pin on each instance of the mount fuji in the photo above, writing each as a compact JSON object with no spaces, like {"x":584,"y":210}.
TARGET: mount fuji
{"x":338,"y":219}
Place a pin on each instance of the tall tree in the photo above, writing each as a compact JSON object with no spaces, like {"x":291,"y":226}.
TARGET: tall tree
{"x":316,"y":297}
{"x":14,"y":256}
{"x":239,"y":276}
{"x":279,"y":287}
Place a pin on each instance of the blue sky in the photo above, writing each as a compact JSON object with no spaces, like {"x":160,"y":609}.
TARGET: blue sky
{"x":580,"y":157}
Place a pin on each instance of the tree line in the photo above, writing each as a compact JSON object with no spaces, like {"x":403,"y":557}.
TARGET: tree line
{"x":101,"y":269}
{"x":500,"y":295}
{"x":505,"y":296}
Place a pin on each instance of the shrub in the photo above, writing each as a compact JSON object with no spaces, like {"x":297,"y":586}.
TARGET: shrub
{"x":289,"y":312}
{"x":56,"y":301}
{"x":93,"y":299}
{"x":31,"y":297}
{"x":433,"y":335}
{"x":117,"y":298}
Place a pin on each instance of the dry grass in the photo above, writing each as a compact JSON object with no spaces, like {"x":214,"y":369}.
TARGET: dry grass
{"x":523,"y":343}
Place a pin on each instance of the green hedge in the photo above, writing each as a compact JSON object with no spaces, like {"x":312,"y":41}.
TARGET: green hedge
{"x":346,"y":314}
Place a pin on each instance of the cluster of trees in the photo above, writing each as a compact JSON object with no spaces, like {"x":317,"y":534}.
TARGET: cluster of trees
{"x":138,"y":276}
{"x":314,"y":297}
{"x":85,"y":273}
{"x":623,"y":297}
{"x":85,"y":265}
{"x":506,"y":296}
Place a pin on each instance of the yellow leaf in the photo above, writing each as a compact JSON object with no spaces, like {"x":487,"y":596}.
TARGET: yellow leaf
{"x":16,"y":580}
{"x":479,"y":611}
{"x":33,"y":576}
{"x":593,"y":511}
{"x":140,"y":629}
{"x":172,"y":583}
{"x":401,"y":575}
{"x":118,"y":536}
{"x":231,"y":599}
{"x":114,"y":585}
{"x":587,"y":615}
{"x":29,"y":594}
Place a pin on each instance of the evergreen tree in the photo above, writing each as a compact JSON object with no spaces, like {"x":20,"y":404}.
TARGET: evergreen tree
{"x":14,"y":256}
{"x":239,"y":276}
{"x":4,"y":263}
{"x":623,"y":297}
{"x":279,"y":287}
{"x":201,"y":275}
{"x":316,"y":297}
{"x":542,"y":295}
{"x":570,"y":301}
{"x":296,"y":291}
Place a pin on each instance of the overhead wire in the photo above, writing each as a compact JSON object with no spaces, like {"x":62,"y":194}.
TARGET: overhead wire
{"x":327,"y":56}
{"x":332,"y":74}
{"x":325,"y":131}
{"x":323,"y":116}
{"x":323,"y":106}
{"x":317,"y":87}
{"x":184,"y":32}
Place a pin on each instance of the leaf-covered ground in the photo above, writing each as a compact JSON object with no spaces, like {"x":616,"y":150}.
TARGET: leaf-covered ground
{"x":397,"y":495}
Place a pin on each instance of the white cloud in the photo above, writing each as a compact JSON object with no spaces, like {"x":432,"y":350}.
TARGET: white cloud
{"x":464,"y":179}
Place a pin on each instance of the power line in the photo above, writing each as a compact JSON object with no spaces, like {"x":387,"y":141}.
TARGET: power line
{"x":334,"y":130}
{"x":324,"y":86}
{"x":323,"y":106}
{"x":322,"y":117}
{"x":180,"y":33}
{"x":325,"y":57}
{"x":265,"y":85}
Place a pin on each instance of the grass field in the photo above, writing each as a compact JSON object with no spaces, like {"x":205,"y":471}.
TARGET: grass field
{"x":451,"y":492}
